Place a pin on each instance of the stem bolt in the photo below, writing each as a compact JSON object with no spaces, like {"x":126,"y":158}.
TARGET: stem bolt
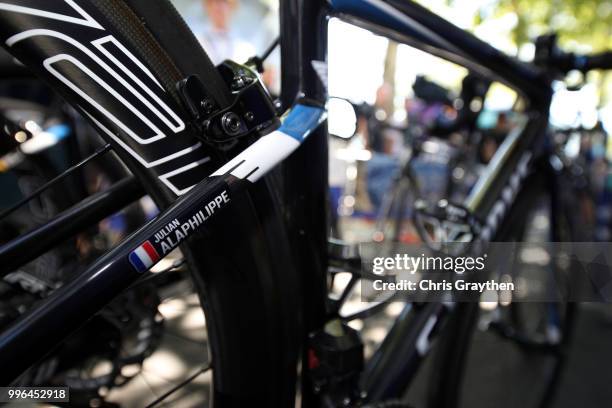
{"x":207,"y":105}
{"x":231,"y":123}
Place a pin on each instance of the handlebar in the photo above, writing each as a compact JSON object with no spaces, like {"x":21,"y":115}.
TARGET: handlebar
{"x":569,"y":62}
{"x":559,"y":62}
{"x":596,"y":61}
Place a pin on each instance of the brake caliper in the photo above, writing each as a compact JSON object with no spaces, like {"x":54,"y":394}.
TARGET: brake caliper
{"x":252,"y":110}
{"x":446,"y":227}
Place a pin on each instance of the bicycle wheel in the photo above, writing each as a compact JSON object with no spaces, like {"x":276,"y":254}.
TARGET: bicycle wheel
{"x":525,"y":341}
{"x":118,"y":63}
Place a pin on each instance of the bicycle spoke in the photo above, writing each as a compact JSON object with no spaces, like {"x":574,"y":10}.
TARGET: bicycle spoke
{"x":180,"y":385}
{"x":101,"y":151}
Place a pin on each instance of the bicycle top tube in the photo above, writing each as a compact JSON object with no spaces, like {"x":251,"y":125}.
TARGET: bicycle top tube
{"x":413,"y":24}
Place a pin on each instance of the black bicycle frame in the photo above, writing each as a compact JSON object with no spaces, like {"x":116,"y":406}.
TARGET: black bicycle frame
{"x":394,"y":364}
{"x":303,"y":40}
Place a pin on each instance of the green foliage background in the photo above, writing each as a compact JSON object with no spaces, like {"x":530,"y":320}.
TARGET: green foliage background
{"x":583,"y":21}
{"x":577,"y":23}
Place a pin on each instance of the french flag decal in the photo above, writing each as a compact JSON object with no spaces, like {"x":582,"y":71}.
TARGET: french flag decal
{"x":143,"y":257}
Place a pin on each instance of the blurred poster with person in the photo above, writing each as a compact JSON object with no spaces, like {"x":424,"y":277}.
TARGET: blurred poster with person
{"x":225,"y":30}
{"x":217,"y":36}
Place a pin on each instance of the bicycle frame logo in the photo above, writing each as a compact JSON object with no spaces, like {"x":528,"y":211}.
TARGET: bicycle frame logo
{"x":135,"y":90}
{"x":506,"y":199}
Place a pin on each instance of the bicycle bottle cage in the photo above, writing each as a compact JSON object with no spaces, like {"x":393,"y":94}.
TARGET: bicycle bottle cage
{"x":446,"y":227}
{"x":252,"y":109}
